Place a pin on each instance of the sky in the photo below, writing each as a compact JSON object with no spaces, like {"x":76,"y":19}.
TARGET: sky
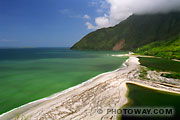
{"x":61,"y":23}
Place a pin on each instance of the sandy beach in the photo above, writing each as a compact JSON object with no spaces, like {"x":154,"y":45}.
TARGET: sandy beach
{"x":91,"y":100}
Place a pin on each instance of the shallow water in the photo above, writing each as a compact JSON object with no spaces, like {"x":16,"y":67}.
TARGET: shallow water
{"x":145,"y":97}
{"x":33,"y":73}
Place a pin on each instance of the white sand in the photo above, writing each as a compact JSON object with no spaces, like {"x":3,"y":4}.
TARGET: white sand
{"x":83,"y":102}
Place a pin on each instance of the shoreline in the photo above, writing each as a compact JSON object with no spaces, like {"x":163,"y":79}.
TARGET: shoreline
{"x":25,"y":107}
{"x":153,"y":88}
{"x":115,"y":78}
{"x":148,"y":56}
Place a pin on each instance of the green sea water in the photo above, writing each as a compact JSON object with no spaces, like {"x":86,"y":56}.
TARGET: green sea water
{"x":30,"y":74}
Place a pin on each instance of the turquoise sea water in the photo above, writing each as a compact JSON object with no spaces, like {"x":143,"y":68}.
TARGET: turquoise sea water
{"x":33,"y":73}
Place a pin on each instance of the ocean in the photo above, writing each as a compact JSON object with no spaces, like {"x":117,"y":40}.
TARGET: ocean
{"x":29,"y":74}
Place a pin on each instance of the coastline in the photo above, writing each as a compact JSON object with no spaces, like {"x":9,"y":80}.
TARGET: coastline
{"x":16,"y":111}
{"x":115,"y":81}
{"x":153,"y":88}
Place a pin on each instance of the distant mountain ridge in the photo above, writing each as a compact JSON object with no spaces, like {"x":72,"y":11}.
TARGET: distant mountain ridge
{"x":132,"y":33}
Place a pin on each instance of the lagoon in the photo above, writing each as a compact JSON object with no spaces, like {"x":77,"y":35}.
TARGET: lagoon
{"x":144,"y":97}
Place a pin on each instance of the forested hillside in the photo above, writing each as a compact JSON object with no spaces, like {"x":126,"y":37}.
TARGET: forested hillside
{"x":167,"y":49}
{"x":135,"y":32}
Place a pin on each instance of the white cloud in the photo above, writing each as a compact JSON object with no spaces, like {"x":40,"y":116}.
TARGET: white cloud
{"x":102,"y":21}
{"x":90,"y":26}
{"x":119,"y":10}
{"x":86,"y":17}
{"x":100,"y":5}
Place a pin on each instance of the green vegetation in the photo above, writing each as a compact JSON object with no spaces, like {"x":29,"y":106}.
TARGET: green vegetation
{"x":137,"y":31}
{"x":143,"y":74}
{"x":162,"y":65}
{"x":22,"y":117}
{"x":166,"y":49}
{"x":174,"y":75}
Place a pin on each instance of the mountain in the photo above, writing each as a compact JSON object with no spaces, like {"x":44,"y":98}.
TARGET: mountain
{"x":133,"y":33}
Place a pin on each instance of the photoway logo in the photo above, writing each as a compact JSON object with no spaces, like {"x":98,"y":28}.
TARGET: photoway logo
{"x":139,"y":111}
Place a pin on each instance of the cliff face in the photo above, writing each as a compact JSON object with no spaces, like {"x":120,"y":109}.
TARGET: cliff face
{"x":132,"y":33}
{"x":119,"y":45}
